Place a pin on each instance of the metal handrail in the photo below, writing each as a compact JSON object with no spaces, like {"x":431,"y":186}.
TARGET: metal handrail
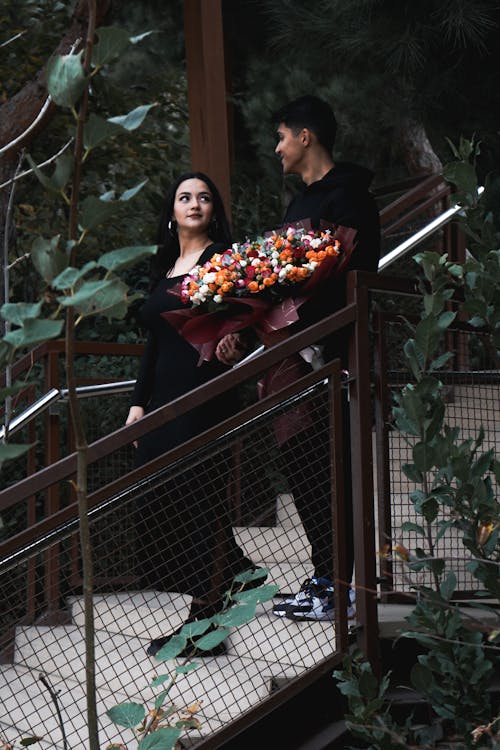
{"x":56,"y":394}
{"x":126,"y":385}
{"x":422,"y":234}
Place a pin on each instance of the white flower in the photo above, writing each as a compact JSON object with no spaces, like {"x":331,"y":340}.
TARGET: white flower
{"x":209,"y":278}
{"x":204,"y":289}
{"x":217,"y":298}
{"x":316,"y":242}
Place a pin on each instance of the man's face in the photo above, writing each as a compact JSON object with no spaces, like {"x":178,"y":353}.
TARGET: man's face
{"x":290,"y":149}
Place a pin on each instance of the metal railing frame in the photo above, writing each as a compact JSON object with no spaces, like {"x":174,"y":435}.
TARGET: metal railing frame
{"x":355,"y":316}
{"x":388,"y":259}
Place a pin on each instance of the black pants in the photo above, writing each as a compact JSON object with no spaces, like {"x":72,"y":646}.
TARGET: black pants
{"x":306,"y":465}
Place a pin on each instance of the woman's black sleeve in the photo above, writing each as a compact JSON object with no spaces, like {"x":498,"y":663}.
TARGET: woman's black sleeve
{"x":144,"y":383}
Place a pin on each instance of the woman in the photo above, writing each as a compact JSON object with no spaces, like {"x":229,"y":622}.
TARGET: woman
{"x":177,"y":530}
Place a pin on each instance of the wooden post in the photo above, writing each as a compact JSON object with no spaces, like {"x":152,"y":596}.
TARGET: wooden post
{"x":208,"y":107}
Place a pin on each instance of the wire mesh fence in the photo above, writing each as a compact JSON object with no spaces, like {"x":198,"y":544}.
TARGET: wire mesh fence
{"x":471,"y":390}
{"x":165,"y":550}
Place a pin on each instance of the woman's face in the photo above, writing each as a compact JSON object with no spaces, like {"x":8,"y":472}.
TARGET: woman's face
{"x":193,"y":206}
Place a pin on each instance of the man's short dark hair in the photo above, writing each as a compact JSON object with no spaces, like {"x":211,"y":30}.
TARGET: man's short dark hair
{"x":309,"y":112}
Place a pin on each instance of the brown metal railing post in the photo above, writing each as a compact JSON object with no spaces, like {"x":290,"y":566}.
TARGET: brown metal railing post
{"x":31,"y":520}
{"x":52,"y":583}
{"x":382,"y":430}
{"x":362,"y":476}
{"x":338,"y":509}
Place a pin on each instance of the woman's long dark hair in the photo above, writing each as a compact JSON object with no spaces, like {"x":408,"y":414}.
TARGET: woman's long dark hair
{"x":168,"y":240}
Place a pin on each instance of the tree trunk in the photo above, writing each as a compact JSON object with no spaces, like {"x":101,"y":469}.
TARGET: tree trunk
{"x":416,"y":149}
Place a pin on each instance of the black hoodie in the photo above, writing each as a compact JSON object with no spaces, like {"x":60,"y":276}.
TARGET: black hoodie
{"x":343,"y":197}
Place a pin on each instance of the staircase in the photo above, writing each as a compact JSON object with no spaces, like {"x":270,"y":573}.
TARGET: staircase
{"x":261,"y":654}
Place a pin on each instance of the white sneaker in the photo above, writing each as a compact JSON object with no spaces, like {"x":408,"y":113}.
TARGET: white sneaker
{"x":312,"y":588}
{"x":314,"y":601}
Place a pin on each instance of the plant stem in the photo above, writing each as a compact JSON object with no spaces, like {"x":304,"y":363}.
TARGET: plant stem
{"x":77,"y":424}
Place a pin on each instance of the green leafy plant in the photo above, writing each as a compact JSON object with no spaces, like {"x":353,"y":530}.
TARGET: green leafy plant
{"x":456,"y":488}
{"x":163,"y":724}
{"x":78,"y":287}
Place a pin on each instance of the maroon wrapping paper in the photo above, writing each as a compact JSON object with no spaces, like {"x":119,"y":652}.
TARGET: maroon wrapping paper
{"x":204,"y":330}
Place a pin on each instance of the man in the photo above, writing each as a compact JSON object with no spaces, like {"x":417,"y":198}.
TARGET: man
{"x":337,"y":193}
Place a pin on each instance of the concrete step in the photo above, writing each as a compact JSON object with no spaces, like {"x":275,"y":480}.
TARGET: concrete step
{"x":273,"y":544}
{"x":151,"y":614}
{"x":134,"y":614}
{"x":226,"y":685}
{"x":287,"y":515}
{"x":28,"y":710}
{"x":287,"y":643}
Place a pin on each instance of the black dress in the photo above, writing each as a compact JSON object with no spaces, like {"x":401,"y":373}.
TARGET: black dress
{"x":169,"y":368}
{"x":183,"y":520}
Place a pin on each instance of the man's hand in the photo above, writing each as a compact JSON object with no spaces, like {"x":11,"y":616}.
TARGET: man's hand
{"x":231,"y":349}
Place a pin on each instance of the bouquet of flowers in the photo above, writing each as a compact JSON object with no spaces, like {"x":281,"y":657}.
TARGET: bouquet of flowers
{"x":269,"y":266}
{"x":259,"y":283}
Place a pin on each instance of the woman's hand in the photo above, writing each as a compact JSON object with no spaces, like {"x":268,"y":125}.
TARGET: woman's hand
{"x":135,"y":413}
{"x":231,"y":349}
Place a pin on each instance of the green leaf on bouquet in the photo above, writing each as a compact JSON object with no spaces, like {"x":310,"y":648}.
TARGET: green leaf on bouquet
{"x":116,"y":260}
{"x":440,"y":361}
{"x":66,"y":79}
{"x":127,"y":714}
